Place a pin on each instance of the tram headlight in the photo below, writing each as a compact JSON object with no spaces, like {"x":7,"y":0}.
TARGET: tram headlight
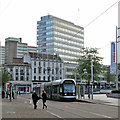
{"x":73,"y":93}
{"x":65,"y":93}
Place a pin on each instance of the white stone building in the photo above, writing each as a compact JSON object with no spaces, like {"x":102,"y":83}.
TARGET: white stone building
{"x":45,"y":67}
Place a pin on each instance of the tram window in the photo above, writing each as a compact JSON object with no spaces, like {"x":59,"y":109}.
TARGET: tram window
{"x":60,"y":89}
{"x":55,"y":89}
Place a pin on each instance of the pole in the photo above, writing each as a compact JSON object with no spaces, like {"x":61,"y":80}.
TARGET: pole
{"x":10,"y":92}
{"x":116,"y":62}
{"x":75,"y":76}
{"x":92,"y":76}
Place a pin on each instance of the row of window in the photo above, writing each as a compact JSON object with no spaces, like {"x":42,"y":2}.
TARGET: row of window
{"x":48,"y":78}
{"x":21,"y":70}
{"x":59,"y":50}
{"x":65,"y":41}
{"x":50,"y":33}
{"x":22,"y":78}
{"x":68,"y":36}
{"x":49,"y":27}
{"x":45,"y":64}
{"x":79,"y":33}
{"x":65,"y":46}
{"x":68,"y":57}
{"x":50,"y":22}
{"x":67,"y":25}
{"x":48,"y":70}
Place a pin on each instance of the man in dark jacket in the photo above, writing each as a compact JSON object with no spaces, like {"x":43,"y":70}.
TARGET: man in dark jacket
{"x":35,"y":98}
{"x":44,"y":97}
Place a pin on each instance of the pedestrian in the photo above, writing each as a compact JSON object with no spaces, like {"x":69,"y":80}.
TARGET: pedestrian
{"x":35,"y":99}
{"x":13,"y":95}
{"x":44,"y":97}
{"x":7,"y":94}
{"x":3,"y":94}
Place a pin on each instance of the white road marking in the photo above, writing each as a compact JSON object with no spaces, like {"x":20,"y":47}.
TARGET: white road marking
{"x":11,"y":112}
{"x":53,"y":114}
{"x":100,"y":115}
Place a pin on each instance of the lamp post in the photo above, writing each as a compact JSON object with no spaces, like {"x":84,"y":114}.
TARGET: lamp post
{"x":92,"y":76}
{"x":116,"y":58}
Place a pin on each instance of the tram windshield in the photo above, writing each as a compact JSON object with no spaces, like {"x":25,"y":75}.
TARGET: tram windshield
{"x":69,"y":88}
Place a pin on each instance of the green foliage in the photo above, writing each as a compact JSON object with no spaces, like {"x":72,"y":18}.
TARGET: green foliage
{"x":107,"y":75}
{"x":84,"y":62}
{"x":5,"y":76}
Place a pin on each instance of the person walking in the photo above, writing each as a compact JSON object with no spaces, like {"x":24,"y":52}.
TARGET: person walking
{"x":35,"y":98}
{"x":3,"y":94}
{"x":7,"y":94}
{"x":13,"y":95}
{"x":44,"y":97}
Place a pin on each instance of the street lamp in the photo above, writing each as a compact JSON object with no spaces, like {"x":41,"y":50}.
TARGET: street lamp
{"x":116,"y":58}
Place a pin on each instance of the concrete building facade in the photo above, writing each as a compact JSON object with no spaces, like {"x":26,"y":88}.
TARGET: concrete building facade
{"x":14,"y":48}
{"x":58,"y":36}
{"x":2,"y":55}
{"x":45,"y":67}
{"x":36,"y":68}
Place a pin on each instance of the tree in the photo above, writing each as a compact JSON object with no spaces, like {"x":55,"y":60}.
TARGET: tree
{"x":5,"y":76}
{"x":107,"y":75}
{"x":84,"y":64}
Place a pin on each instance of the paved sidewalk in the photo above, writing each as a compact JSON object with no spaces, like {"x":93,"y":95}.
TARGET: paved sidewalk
{"x":102,"y":99}
{"x":21,"y":108}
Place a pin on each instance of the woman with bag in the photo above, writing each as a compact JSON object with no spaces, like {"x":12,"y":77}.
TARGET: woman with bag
{"x":44,"y":97}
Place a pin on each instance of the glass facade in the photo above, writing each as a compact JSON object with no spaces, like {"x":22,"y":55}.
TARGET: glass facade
{"x":57,"y":36}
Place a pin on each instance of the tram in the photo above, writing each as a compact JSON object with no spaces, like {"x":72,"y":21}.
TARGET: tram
{"x":64,"y":89}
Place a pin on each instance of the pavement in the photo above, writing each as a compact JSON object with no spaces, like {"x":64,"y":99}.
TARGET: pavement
{"x":22,"y":109}
{"x":101,"y":99}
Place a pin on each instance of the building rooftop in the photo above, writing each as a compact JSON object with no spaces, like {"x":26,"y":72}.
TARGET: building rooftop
{"x":44,"y":56}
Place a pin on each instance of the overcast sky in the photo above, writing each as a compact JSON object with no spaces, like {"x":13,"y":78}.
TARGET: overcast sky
{"x":18,"y":18}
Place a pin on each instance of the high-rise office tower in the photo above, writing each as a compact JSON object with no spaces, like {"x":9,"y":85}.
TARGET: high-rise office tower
{"x":58,"y":36}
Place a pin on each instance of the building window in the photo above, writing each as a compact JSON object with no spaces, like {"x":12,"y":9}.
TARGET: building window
{"x":21,"y":71}
{"x":34,"y":77}
{"x":60,"y":72}
{"x":44,"y":78}
{"x":44,"y":64}
{"x":39,"y":64}
{"x":21,"y":78}
{"x":34,"y":70}
{"x":16,"y":78}
{"x":40,"y":70}
{"x":52,"y":78}
{"x":34,"y":63}
{"x":44,"y":70}
{"x":39,"y":78}
{"x":27,"y":71}
{"x":27,"y":78}
{"x":52,"y":71}
{"x":16,"y":70}
{"x":11,"y":69}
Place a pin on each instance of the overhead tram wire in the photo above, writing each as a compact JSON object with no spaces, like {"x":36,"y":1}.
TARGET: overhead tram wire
{"x":95,"y":18}
{"x":101,"y":14}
